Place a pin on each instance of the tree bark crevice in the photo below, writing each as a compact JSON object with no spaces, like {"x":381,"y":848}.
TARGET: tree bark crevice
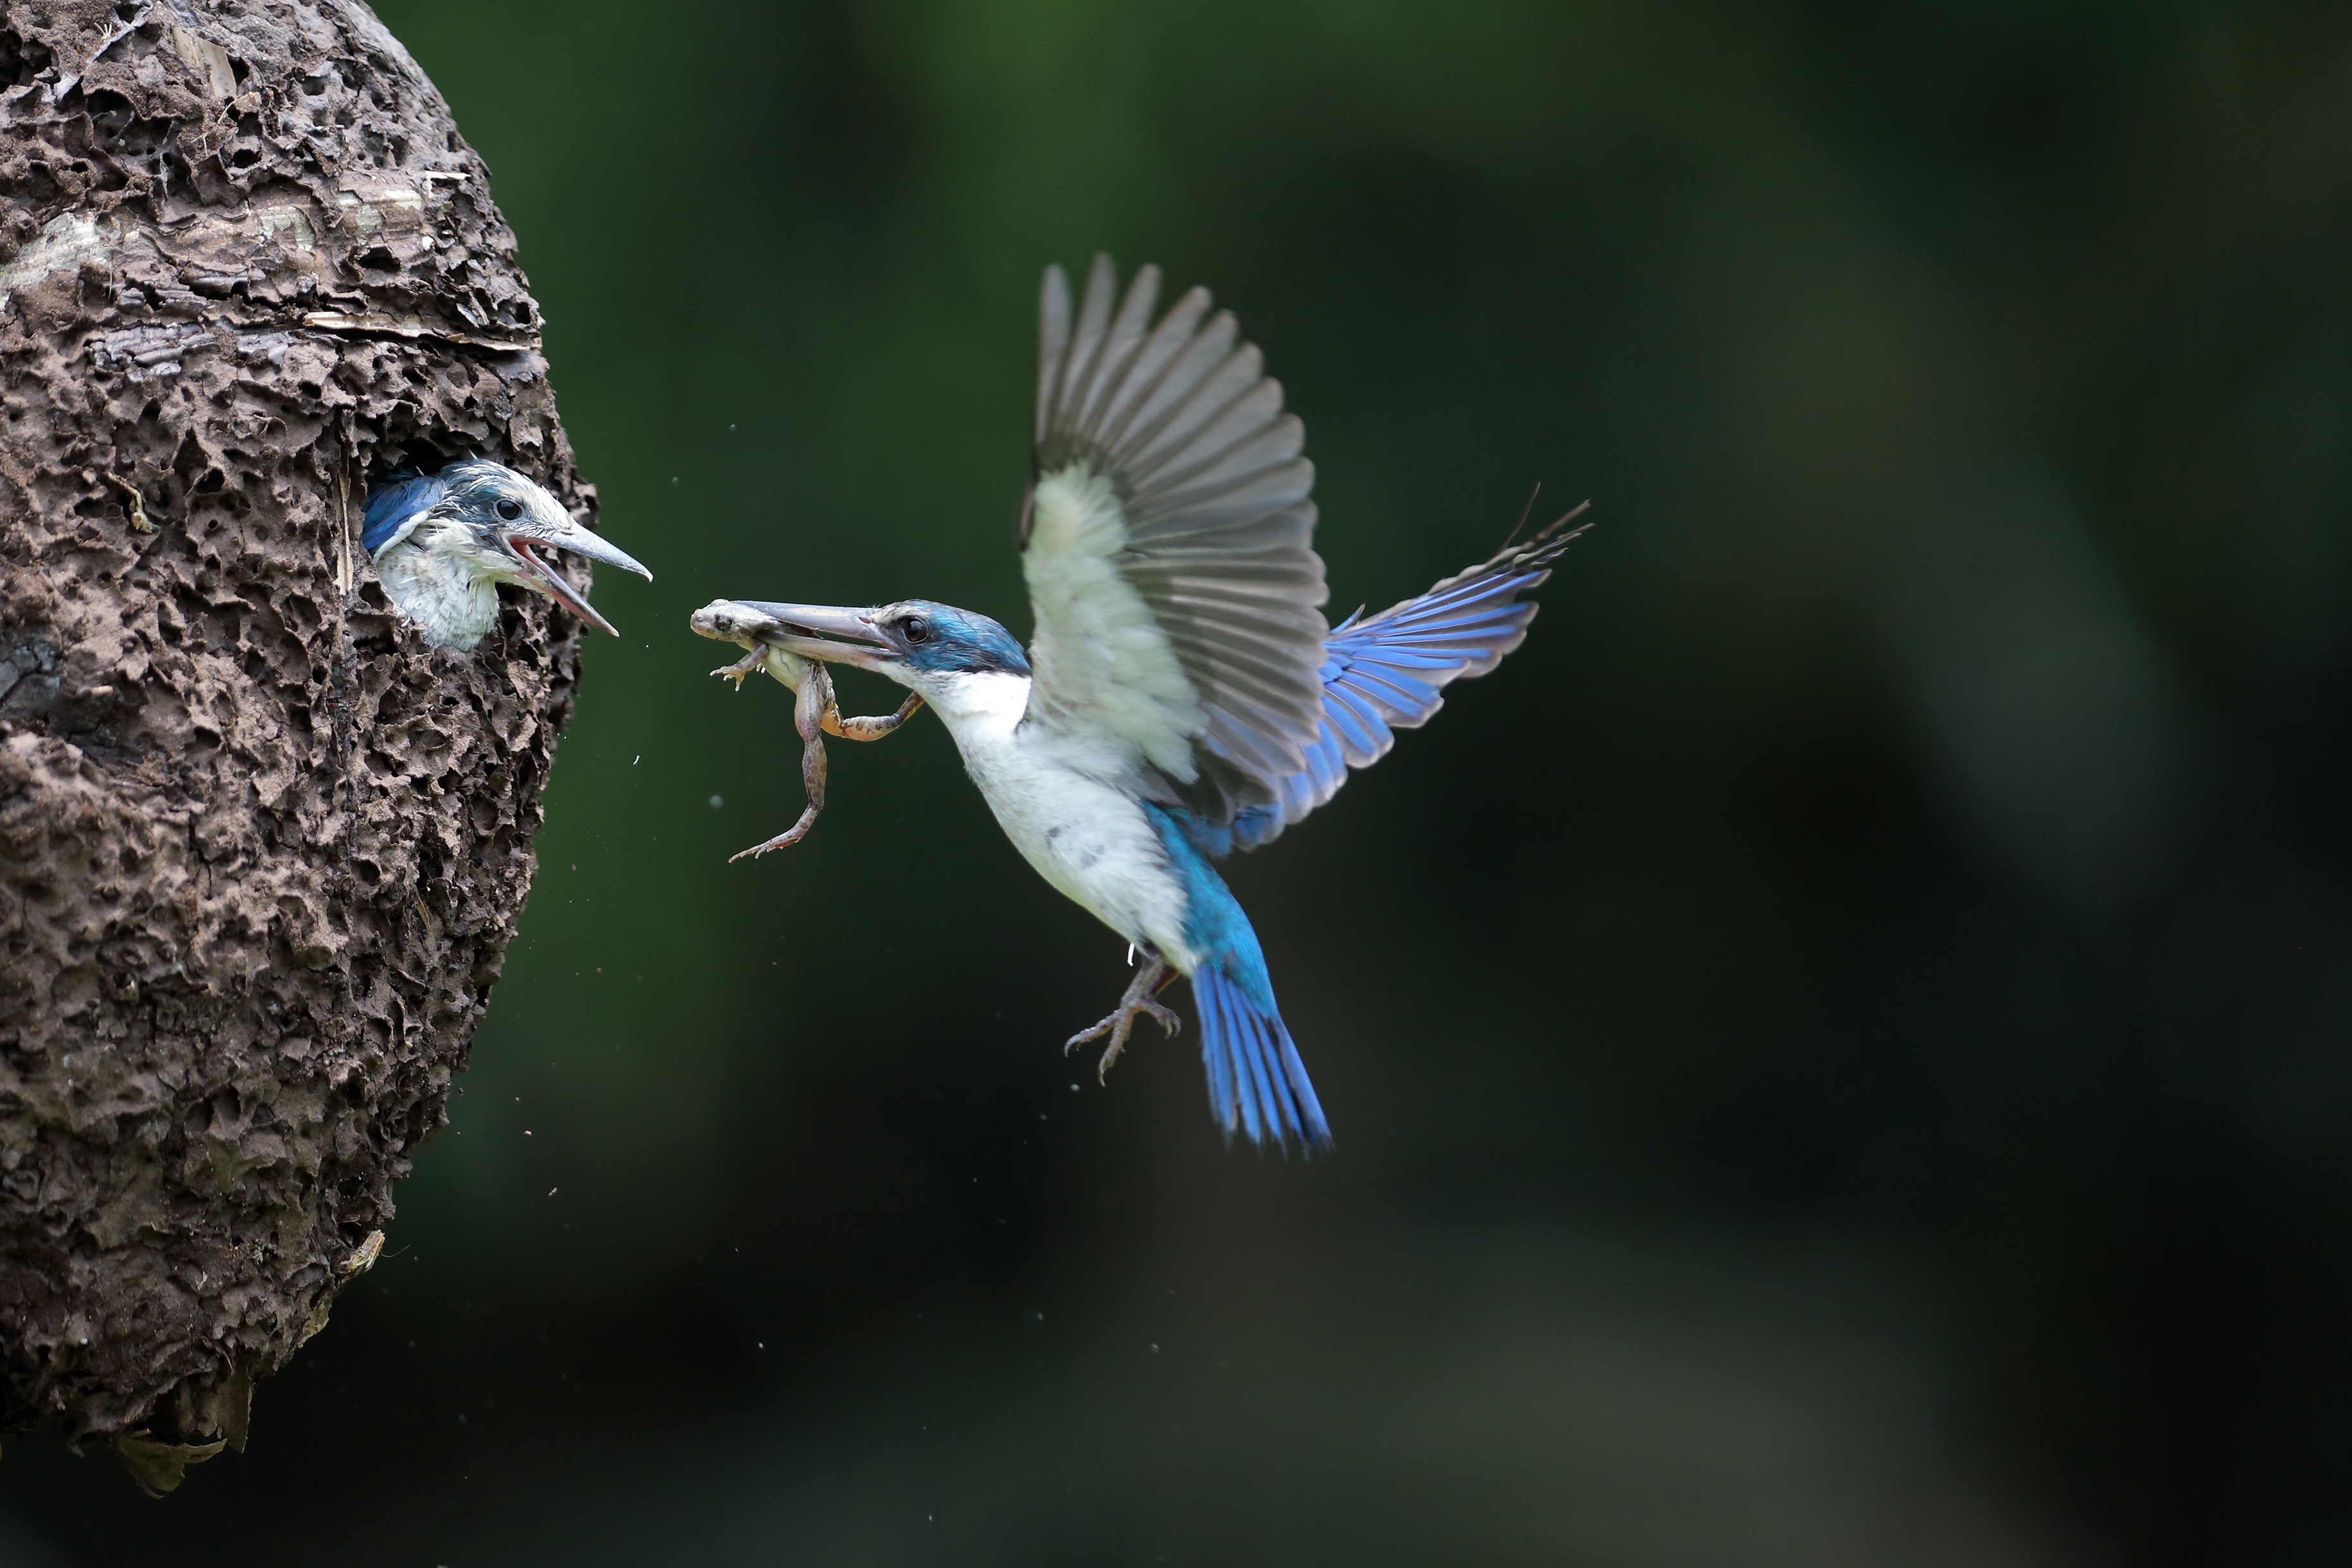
{"x":261,"y":851}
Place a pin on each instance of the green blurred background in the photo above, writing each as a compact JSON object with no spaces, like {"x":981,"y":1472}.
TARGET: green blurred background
{"x":1839,"y":1049}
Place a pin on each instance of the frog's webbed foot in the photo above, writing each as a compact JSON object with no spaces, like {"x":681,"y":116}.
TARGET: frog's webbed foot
{"x":742,"y":669}
{"x":871,"y":728}
{"x":1153,"y":974}
{"x":810,"y":703}
{"x":786,"y":839}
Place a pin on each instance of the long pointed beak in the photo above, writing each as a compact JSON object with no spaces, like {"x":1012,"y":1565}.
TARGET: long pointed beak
{"x":807,"y":629}
{"x":526,"y":544}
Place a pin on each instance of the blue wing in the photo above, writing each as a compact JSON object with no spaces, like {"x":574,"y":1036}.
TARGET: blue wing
{"x":394,"y":509}
{"x":1387,"y":674}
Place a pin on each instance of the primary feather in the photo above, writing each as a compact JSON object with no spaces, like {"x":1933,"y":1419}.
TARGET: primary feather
{"x":1167,"y":542}
{"x":1387,"y":671}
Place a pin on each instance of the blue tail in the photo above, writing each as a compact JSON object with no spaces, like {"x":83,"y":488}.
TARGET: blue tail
{"x":1256,"y":1083}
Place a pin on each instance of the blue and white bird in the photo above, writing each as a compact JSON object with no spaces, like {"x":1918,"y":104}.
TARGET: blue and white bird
{"x":1181,"y":696}
{"x":442,"y":543}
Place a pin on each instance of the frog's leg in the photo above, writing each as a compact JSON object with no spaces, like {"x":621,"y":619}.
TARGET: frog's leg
{"x":811,"y":704}
{"x":871,"y":728}
{"x":748,"y":666}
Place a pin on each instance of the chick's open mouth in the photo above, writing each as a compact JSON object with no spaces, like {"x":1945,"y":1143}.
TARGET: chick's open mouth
{"x":551,"y":583}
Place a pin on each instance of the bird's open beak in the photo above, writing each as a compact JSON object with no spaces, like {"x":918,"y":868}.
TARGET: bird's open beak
{"x":808,"y":630}
{"x":538,"y":571}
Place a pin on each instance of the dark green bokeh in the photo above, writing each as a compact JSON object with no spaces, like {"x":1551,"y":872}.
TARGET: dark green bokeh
{"x":1839,"y":1049}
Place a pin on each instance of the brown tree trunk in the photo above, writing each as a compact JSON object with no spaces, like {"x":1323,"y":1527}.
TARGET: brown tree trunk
{"x":261,"y":851}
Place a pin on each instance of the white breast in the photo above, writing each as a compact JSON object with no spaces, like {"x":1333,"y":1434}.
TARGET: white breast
{"x":453,"y":608}
{"x":1085,"y":834}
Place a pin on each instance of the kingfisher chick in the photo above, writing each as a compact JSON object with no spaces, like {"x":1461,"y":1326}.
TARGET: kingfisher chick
{"x":443,"y":542}
{"x":1181,"y":696}
{"x":815,"y":712}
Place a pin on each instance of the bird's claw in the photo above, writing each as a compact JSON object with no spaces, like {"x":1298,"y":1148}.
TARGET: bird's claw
{"x":1118,"y":1026}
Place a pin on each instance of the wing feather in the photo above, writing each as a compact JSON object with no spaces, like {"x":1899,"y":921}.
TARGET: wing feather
{"x":1154,"y":366}
{"x":1169,"y":393}
{"x":1387,"y":673}
{"x":1124,"y":335}
{"x":1168,"y":540}
{"x":1199,"y":421}
{"x":394,"y":509}
{"x":1053,"y":347}
{"x":1086,"y":340}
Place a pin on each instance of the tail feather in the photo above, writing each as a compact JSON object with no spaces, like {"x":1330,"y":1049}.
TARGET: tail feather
{"x":1216,"y":1058}
{"x":1258,"y":1105}
{"x":1257,"y":1084}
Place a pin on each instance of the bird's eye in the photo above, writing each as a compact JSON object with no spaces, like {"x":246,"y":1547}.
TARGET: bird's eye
{"x":511,"y":511}
{"x":915,"y":629}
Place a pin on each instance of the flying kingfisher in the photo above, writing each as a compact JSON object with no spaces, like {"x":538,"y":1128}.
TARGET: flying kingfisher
{"x":1182,"y":697}
{"x":442,"y":543}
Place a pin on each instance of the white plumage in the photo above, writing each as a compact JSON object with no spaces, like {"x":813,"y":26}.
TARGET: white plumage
{"x":1101,"y":658}
{"x":1067,"y":802}
{"x":438,"y":583}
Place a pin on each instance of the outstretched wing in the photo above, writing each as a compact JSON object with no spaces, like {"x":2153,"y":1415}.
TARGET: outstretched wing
{"x":1387,"y":673}
{"x":1167,"y":543}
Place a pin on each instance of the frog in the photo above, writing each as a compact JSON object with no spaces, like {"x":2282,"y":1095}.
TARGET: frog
{"x":816,"y":711}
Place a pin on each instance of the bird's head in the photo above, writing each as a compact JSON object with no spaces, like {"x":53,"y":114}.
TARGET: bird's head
{"x":499,"y":525}
{"x":934,"y":649}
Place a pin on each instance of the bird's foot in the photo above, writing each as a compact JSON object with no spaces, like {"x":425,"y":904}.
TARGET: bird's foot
{"x":749,"y":664}
{"x":1119,"y":1024}
{"x":784,"y":839}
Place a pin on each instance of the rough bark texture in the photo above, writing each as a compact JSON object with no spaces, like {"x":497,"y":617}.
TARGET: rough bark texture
{"x":261,"y":851}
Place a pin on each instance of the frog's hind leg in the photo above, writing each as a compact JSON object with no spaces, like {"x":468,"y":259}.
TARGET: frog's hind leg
{"x":811,"y":705}
{"x":871,"y":728}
